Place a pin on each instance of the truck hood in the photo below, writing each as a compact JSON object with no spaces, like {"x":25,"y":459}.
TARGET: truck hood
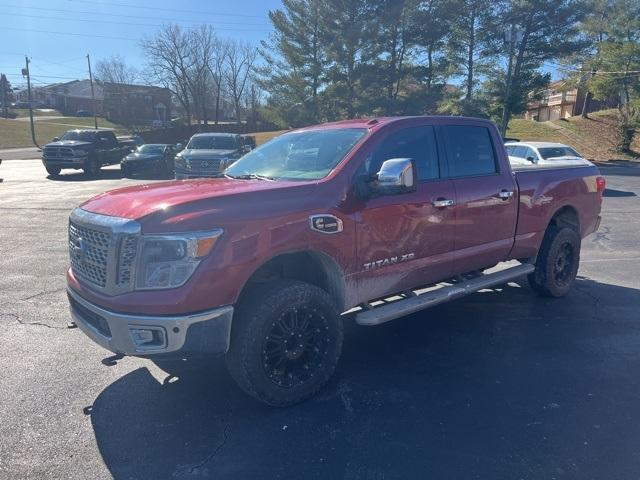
{"x":201,"y":153}
{"x":68,"y":143}
{"x":166,"y":198}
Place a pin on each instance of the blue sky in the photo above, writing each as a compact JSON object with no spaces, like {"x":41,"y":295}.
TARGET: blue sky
{"x":105,"y":27}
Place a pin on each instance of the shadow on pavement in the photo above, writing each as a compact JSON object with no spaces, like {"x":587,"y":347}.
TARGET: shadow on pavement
{"x":609,"y":192}
{"x":502,"y":384}
{"x":105,"y":174}
{"x":79,"y":176}
{"x":625,"y":168}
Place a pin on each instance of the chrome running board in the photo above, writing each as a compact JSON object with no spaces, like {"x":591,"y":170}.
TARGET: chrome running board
{"x":416,"y":301}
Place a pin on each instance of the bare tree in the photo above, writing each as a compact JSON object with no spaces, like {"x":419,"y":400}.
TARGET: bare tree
{"x":241,"y":57}
{"x":171,"y":60}
{"x":217,"y":69}
{"x":204,"y":42}
{"x":116,"y":70}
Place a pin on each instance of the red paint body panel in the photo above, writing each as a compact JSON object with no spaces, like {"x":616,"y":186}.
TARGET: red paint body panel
{"x":262,"y":220}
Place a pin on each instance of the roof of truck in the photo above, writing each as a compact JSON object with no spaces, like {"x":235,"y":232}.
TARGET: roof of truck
{"x":379,"y":121}
{"x":216,"y":134}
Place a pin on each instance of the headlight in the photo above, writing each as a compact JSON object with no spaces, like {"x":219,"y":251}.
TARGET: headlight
{"x":168,"y":261}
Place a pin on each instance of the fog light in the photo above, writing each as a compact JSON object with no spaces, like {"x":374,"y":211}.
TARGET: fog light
{"x":148,"y":337}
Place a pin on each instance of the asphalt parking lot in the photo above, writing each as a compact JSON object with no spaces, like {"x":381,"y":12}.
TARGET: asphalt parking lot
{"x":500,"y":385}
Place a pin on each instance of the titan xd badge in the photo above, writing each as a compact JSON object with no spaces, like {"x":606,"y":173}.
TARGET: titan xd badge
{"x":325,"y":223}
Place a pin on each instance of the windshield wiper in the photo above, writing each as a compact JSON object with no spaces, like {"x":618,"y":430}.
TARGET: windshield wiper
{"x":250,"y":176}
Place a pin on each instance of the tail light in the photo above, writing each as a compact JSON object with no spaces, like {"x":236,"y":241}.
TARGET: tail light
{"x":600,"y":186}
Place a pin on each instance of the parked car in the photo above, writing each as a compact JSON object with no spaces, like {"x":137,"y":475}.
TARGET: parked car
{"x":155,"y":158}
{"x":208,"y":154}
{"x":259,"y":265}
{"x":543,"y":153}
{"x":85,"y":149}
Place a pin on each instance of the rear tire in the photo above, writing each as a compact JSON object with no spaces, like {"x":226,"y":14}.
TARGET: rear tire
{"x":53,"y":171}
{"x":285,"y":342}
{"x":557,"y":263}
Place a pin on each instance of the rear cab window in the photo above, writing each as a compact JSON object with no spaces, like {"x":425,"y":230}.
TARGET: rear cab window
{"x":470,"y":151}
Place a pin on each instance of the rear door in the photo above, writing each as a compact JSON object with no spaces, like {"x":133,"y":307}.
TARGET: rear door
{"x":405,"y":240}
{"x":109,"y":147}
{"x":486,"y":195}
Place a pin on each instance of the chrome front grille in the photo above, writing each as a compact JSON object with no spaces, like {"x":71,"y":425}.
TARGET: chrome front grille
{"x":89,"y":253}
{"x":103,"y":251}
{"x":200,"y":167}
{"x":58,"y":152}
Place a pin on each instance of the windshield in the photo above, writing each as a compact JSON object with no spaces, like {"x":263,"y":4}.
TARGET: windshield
{"x":213,"y":142}
{"x":552,"y":152}
{"x":309,"y":155}
{"x":75,"y":135}
{"x":150,"y":149}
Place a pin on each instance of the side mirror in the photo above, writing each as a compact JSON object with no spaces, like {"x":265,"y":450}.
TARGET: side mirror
{"x":531,"y":159}
{"x":396,"y":175}
{"x":55,"y":139}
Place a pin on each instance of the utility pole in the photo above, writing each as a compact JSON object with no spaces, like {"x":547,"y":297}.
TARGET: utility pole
{"x":513,"y":36}
{"x":93,"y":98}
{"x":25,"y":72}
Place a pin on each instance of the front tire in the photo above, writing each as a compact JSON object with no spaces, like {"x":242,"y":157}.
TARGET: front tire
{"x":285,"y":342}
{"x":53,"y":171}
{"x":557,"y":263}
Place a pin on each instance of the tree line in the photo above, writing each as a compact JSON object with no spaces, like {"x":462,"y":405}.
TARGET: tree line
{"x":332,"y":59}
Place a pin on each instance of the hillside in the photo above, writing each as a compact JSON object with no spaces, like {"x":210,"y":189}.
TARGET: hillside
{"x":593,"y":137}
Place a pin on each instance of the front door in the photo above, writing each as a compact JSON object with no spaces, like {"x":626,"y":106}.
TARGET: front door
{"x":404,"y":240}
{"x":486,"y":197}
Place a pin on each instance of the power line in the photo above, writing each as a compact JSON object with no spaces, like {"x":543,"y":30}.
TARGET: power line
{"x":197,"y":12}
{"x":92,"y":20}
{"x":72,"y":34}
{"x":102,"y":14}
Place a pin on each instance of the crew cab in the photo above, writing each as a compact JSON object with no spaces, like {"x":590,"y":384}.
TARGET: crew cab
{"x":365,"y":219}
{"x":86,"y":149}
{"x":208,"y":154}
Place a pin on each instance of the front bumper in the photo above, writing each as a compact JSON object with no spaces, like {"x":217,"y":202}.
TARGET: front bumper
{"x":205,"y":333}
{"x":64,"y":162}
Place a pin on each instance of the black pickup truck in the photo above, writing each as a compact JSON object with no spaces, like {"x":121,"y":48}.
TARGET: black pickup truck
{"x":86,"y":149}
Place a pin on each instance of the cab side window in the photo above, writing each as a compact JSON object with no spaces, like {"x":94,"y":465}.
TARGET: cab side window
{"x":469,"y":150}
{"x":417,"y":143}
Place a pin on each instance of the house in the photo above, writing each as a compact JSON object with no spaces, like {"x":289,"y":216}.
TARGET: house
{"x":562,"y":101}
{"x":120,"y":103}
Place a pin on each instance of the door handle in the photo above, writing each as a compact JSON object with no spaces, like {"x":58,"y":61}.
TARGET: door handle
{"x":505,"y":194}
{"x":443,"y":203}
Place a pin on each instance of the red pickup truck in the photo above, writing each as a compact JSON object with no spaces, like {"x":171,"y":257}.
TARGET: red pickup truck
{"x":365,"y":219}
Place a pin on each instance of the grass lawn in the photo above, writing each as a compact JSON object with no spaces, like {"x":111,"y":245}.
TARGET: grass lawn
{"x":82,"y":122}
{"x":262,"y":137}
{"x":15,"y":133}
{"x":527,"y":130}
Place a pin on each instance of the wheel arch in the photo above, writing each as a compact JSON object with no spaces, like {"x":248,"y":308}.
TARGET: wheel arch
{"x":310,"y":266}
{"x":565,"y":216}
